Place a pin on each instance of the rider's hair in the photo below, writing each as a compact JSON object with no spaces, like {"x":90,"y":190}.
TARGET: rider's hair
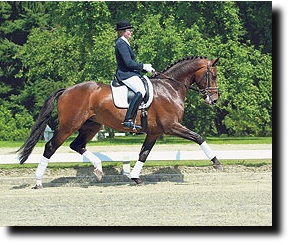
{"x":121,"y":32}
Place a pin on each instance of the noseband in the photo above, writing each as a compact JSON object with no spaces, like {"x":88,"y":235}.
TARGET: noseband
{"x":203,"y":91}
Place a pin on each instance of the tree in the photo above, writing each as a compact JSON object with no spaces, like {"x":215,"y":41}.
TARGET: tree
{"x":49,"y":45}
{"x":14,"y":126}
{"x":257,"y":23}
{"x":246,"y":86}
{"x":16,"y":21}
{"x":87,"y":23}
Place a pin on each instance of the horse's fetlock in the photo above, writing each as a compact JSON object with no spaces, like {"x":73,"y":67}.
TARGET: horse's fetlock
{"x":77,"y":148}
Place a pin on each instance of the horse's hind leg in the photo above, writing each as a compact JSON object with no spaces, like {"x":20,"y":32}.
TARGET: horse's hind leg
{"x":50,"y":147}
{"x":145,"y":150}
{"x":86,"y":133}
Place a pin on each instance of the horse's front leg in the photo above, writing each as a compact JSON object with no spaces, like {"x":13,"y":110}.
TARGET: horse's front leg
{"x":183,"y":132}
{"x":145,"y":150}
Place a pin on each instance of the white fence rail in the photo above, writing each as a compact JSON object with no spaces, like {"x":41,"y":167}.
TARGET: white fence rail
{"x":133,"y":156}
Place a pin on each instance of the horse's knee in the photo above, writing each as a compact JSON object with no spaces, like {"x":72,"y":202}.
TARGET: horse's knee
{"x":183,"y":132}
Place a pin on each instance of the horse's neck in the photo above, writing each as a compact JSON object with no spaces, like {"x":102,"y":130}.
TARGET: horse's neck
{"x":186,"y":70}
{"x":169,"y":85}
{"x":179,"y":76}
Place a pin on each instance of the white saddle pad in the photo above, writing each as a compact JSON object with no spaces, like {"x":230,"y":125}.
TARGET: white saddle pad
{"x":120,"y":96}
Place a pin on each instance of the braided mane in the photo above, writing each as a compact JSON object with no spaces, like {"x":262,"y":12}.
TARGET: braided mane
{"x":181,"y":60}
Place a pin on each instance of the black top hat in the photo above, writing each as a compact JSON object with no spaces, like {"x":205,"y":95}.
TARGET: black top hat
{"x":123,"y":24}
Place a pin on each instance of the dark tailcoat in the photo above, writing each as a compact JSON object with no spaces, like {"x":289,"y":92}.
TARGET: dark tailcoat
{"x":127,"y":64}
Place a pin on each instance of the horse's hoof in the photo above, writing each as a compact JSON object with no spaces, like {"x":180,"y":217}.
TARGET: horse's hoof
{"x":98,"y":174}
{"x":37,"y":187}
{"x":138,"y":181}
{"x":218,"y":167}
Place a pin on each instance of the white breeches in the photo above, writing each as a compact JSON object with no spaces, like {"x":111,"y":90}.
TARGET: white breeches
{"x":135,"y":83}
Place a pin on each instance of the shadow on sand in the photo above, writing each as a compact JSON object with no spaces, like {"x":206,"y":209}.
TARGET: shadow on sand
{"x":113,"y":176}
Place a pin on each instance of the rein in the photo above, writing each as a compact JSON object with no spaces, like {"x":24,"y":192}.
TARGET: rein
{"x":202,"y":91}
{"x":157,"y":75}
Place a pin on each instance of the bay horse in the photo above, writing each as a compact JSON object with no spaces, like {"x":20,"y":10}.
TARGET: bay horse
{"x":86,"y":106}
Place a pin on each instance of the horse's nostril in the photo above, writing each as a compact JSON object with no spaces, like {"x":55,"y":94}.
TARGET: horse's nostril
{"x":214,"y":102}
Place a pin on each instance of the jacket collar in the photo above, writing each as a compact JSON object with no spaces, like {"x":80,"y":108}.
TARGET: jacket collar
{"x":123,"y":38}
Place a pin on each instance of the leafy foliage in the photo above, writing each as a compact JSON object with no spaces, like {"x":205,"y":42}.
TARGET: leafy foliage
{"x":45,"y":46}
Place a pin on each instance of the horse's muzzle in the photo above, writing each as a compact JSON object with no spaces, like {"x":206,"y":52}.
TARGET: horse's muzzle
{"x":211,"y":99}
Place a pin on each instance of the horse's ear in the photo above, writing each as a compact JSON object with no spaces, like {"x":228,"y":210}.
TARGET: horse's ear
{"x":215,"y":61}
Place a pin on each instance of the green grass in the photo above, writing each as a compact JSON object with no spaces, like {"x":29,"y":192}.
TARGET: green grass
{"x":138,"y":139}
{"x":189,"y":163}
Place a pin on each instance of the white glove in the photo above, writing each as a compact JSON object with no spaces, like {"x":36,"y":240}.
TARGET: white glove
{"x":148,"y":68}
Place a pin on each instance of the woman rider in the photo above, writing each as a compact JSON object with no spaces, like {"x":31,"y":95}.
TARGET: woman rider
{"x":129,"y":71}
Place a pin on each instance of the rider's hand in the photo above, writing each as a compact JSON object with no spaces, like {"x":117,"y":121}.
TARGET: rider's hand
{"x":148,"y":68}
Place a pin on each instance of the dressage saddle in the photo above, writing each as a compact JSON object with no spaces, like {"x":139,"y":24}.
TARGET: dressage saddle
{"x":117,"y":83}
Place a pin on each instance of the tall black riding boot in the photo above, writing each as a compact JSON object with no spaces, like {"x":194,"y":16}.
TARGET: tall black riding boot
{"x":132,"y":111}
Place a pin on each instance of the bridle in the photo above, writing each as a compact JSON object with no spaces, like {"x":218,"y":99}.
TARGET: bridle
{"x":203,"y":91}
{"x":208,"y":72}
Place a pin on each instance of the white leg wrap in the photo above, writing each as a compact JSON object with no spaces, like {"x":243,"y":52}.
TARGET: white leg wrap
{"x":93,"y":159}
{"x":41,"y":168}
{"x":207,"y":150}
{"x":136,"y":170}
{"x":38,"y":182}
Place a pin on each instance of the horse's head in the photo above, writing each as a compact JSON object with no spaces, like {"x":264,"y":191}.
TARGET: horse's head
{"x":206,"y":80}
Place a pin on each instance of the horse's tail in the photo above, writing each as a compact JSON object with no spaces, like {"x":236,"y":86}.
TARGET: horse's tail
{"x":39,"y":126}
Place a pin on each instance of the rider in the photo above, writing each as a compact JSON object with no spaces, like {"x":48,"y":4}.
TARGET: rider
{"x":129,"y":71}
